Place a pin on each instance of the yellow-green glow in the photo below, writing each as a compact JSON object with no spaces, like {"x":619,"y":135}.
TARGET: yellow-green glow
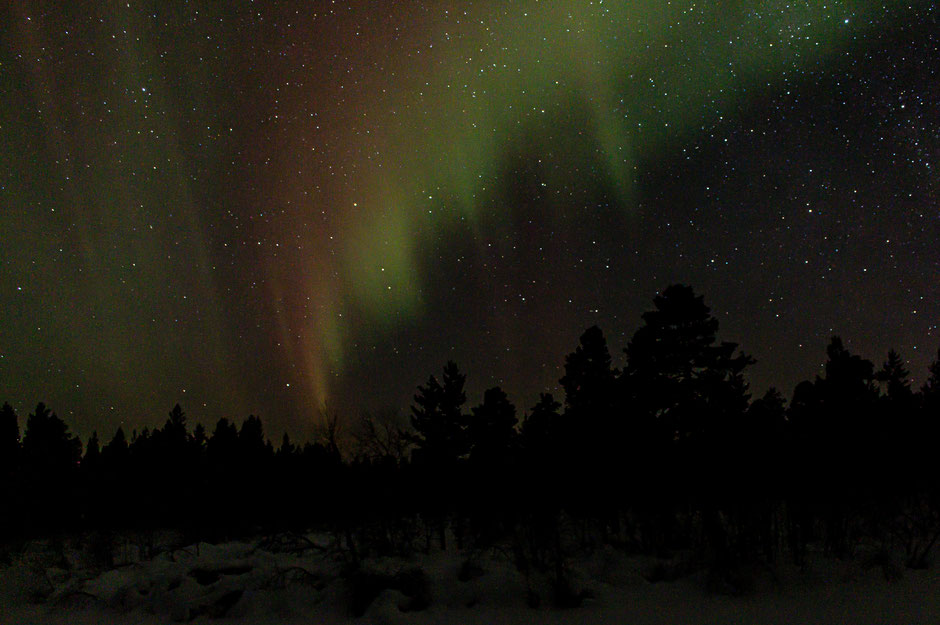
{"x":633,"y":75}
{"x":274,"y":191}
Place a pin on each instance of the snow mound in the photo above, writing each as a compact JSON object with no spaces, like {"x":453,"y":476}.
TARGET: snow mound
{"x":295,"y":579}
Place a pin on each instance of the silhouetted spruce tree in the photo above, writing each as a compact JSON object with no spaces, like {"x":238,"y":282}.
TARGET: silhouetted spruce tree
{"x":803,"y":468}
{"x":173,"y":446}
{"x":114,"y":455}
{"x":149,"y":478}
{"x":139,"y":439}
{"x":286,"y":471}
{"x":223,"y":444}
{"x":849,"y":377}
{"x":678,"y":373}
{"x":493,"y":443}
{"x":849,"y":396}
{"x":287,"y":448}
{"x":924,"y":453}
{"x":589,"y":378}
{"x":441,"y":443}
{"x":9,"y":463}
{"x":594,"y":440}
{"x":9,"y":441}
{"x":837,"y":437}
{"x":225,"y":491}
{"x":91,"y":496}
{"x":118,"y":496}
{"x":686,"y":391}
{"x":251,"y":439}
{"x":47,"y":443}
{"x":176,"y":461}
{"x":768,"y":416}
{"x":930,"y":402}
{"x":174,"y":433}
{"x":437,"y":418}
{"x":763,"y":436}
{"x":541,"y":427}
{"x":898,"y":432}
{"x":51,"y":457}
{"x":92,"y":456}
{"x":199,"y":438}
{"x":804,"y":415}
{"x":544,"y":443}
{"x":195,"y":520}
{"x":931,"y":388}
{"x":492,"y":429}
{"x":253,"y":466}
{"x":321,"y":464}
{"x":895,"y":378}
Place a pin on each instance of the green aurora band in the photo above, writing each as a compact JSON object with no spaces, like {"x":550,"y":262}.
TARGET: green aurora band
{"x":357,"y":141}
{"x":621,"y":78}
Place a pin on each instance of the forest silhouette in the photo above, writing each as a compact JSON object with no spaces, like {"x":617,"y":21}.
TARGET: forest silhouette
{"x":670,"y":453}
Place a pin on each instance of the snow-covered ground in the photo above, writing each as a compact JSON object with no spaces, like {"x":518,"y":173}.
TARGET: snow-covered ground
{"x":301,"y":580}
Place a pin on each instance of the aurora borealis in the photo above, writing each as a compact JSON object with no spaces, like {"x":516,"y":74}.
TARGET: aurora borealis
{"x":258,"y":207}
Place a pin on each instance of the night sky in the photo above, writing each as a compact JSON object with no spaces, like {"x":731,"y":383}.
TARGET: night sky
{"x":253,"y":207}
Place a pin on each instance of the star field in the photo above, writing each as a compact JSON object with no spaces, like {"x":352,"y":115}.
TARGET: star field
{"x":260,"y":207}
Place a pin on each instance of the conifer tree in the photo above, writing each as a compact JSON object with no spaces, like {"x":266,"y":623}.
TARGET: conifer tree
{"x":47,"y":442}
{"x":437,"y":418}
{"x":92,"y":452}
{"x":678,"y":373}
{"x":896,"y":378}
{"x":9,"y":440}
{"x":540,"y":428}
{"x":589,"y":378}
{"x":492,"y":428}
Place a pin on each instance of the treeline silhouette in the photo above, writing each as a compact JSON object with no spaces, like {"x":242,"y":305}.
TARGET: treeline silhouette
{"x":669,"y":453}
